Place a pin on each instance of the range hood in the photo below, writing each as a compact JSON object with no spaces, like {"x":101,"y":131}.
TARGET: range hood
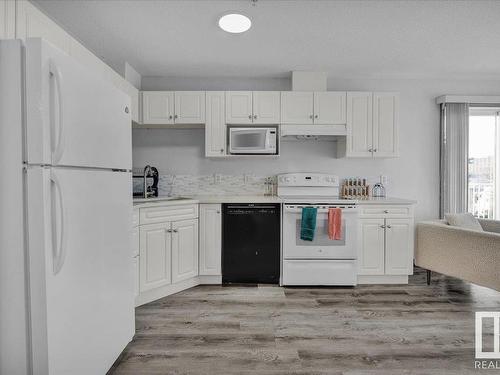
{"x":313,"y":131}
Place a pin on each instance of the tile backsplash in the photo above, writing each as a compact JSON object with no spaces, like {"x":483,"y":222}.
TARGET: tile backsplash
{"x":216,"y":184}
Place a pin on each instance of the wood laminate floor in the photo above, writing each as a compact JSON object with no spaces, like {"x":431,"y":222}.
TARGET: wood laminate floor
{"x":376,"y":329}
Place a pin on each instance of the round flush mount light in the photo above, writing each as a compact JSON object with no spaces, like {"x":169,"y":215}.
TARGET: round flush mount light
{"x":235,"y":23}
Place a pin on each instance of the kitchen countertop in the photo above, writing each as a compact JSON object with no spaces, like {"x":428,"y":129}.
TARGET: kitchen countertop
{"x":147,"y":202}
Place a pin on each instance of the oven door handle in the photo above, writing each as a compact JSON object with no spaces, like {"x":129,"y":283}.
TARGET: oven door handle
{"x":345,"y":210}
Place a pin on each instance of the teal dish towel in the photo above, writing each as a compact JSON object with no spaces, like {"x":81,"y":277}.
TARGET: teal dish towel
{"x":308,"y":226}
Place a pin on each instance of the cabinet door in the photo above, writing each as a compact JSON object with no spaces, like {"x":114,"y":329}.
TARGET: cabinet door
{"x":135,"y":262}
{"x":266,"y":107}
{"x":329,"y":107}
{"x":215,"y":128}
{"x":7,"y":19}
{"x":32,"y":23}
{"x":398,"y":245}
{"x":184,"y":249}
{"x":155,"y":256}
{"x":297,"y":107}
{"x":359,"y":142}
{"x":239,"y":107}
{"x":371,"y":250}
{"x":189,"y":107}
{"x":157,"y":107}
{"x":385,"y":124}
{"x":210,"y":239}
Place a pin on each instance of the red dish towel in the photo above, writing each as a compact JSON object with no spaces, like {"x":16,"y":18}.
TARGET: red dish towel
{"x":335,"y":223}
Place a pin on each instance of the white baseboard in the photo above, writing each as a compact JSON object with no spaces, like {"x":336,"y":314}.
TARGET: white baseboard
{"x":383,"y":279}
{"x":210,"y":280}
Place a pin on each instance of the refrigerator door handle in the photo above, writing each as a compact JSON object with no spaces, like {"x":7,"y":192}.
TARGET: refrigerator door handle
{"x":55,"y":72}
{"x":59,"y":244}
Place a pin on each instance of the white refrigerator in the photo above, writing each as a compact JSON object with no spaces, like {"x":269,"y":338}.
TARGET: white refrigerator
{"x":66,"y":277}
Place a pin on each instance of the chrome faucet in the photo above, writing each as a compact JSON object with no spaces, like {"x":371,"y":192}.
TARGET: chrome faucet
{"x":147,"y":173}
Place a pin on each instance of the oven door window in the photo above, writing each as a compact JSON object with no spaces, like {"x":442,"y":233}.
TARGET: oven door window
{"x":320,"y":236}
{"x":248,"y":140}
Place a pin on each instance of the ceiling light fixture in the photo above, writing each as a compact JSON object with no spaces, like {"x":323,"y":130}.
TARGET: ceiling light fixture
{"x":235,"y":23}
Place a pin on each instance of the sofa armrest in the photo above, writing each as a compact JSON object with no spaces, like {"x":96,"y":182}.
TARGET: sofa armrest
{"x":490,"y":225}
{"x":467,"y":254}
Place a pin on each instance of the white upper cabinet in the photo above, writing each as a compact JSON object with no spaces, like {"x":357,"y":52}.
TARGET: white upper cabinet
{"x":215,"y":128}
{"x":359,"y":140}
{"x":30,"y":23}
{"x":158,"y":107}
{"x":239,"y":107}
{"x":169,"y":107}
{"x":252,"y":107}
{"x":266,"y":107}
{"x":372,"y":124}
{"x":385,"y":124}
{"x":184,"y":249}
{"x":330,"y":107}
{"x":189,"y":107}
{"x":297,"y":107}
{"x":7,"y":19}
{"x":210,"y":239}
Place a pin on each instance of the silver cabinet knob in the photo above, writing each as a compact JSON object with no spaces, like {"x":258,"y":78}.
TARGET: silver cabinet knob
{"x":170,"y":117}
{"x":175,"y":116}
{"x":315,"y":116}
{"x":370,"y":150}
{"x":254,"y":117}
{"x":389,"y":226}
{"x":175,"y":230}
{"x":250,"y":117}
{"x":382,"y":226}
{"x":169,"y":230}
{"x":311,"y":117}
{"x":374,"y":150}
{"x":221,"y":150}
{"x":218,"y":211}
{"x":386,"y":211}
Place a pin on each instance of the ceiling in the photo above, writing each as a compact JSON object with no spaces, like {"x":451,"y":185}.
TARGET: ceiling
{"x":376,"y":39}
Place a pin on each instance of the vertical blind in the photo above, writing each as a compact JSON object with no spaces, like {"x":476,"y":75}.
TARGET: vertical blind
{"x":454,"y":157}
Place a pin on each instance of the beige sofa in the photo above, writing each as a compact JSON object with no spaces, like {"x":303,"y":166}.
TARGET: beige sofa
{"x":463,"y":253}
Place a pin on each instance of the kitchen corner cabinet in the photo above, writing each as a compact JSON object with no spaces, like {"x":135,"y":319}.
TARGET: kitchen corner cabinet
{"x":386,"y":238}
{"x":252,"y":107}
{"x":372,"y":124}
{"x":210,"y":240}
{"x":215,"y":127}
{"x":169,"y":107}
{"x":322,"y":108}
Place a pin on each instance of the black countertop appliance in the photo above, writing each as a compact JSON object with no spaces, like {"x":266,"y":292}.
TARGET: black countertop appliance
{"x":251,"y":243}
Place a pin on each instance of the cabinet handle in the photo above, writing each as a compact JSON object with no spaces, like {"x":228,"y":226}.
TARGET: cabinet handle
{"x":169,"y":230}
{"x":315,"y":116}
{"x":311,"y":117}
{"x":221,"y":150}
{"x":389,"y":226}
{"x":218,"y":211}
{"x":170,"y":117}
{"x":374,"y":150}
{"x":370,"y":150}
{"x":175,"y":116}
{"x":250,"y":117}
{"x":382,"y":226}
{"x":175,"y":230}
{"x":254,"y":117}
{"x":386,"y":211}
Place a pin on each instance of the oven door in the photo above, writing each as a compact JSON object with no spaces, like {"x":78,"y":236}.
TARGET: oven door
{"x":321,"y":247}
{"x":250,"y":141}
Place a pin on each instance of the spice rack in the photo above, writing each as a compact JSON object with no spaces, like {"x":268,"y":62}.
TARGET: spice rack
{"x":355,"y":188}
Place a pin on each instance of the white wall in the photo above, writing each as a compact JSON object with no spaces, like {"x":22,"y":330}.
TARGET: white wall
{"x":415,"y":174}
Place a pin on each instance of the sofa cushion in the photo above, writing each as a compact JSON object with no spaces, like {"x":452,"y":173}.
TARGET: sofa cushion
{"x":465,"y":220}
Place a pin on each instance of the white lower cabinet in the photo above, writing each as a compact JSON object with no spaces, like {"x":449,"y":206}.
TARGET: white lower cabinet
{"x":386,"y":238}
{"x":135,"y":258}
{"x":371,"y":255}
{"x":184,"y":250}
{"x":210,"y":240}
{"x":155,"y":256}
{"x":166,"y":260}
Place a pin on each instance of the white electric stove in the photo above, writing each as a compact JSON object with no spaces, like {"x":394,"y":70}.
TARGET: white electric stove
{"x":321,"y":261}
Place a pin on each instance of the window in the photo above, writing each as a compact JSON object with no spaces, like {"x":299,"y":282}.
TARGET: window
{"x":484,"y":162}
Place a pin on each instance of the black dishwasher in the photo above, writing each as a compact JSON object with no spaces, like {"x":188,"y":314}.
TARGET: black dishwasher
{"x":251,"y":243}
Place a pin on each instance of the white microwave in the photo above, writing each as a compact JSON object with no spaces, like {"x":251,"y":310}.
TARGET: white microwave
{"x":253,"y":140}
